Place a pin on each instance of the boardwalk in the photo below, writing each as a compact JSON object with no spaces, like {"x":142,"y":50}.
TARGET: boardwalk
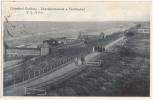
{"x":114,"y":42}
{"x":19,"y":89}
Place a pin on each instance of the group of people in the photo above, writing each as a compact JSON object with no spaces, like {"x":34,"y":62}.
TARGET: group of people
{"x":79,"y":61}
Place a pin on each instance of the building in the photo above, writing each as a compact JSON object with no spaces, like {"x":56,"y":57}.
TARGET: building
{"x":65,"y":40}
{"x":21,"y":52}
{"x":143,"y":28}
{"x":44,"y":48}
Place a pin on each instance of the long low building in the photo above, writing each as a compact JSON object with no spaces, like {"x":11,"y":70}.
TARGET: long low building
{"x":21,"y":52}
{"x":44,"y":49}
{"x":143,"y":29}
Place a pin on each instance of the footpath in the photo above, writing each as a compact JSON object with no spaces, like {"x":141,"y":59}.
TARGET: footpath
{"x":19,"y":89}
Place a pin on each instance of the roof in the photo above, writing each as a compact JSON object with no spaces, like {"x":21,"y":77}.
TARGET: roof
{"x":145,"y":26}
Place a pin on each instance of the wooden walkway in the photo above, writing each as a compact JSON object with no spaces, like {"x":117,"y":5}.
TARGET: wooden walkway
{"x":19,"y":89}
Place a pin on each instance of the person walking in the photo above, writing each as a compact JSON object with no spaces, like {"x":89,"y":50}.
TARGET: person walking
{"x":76,"y":61}
{"x":82,"y":59}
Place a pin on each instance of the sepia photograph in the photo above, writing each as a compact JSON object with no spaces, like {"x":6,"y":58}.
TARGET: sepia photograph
{"x":109,"y":57}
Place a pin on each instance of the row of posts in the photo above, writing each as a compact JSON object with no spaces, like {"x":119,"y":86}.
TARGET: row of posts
{"x":33,"y":74}
{"x":49,"y":68}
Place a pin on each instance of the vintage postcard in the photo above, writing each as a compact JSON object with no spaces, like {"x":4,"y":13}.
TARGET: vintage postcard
{"x":65,"y":48}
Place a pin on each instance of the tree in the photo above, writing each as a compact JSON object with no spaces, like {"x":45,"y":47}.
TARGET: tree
{"x":139,"y":25}
{"x":130,"y":33}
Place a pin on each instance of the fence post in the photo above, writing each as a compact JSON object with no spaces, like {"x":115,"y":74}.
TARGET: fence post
{"x":34,"y":73}
{"x":48,"y":68}
{"x":43,"y":70}
{"x":38,"y":72}
{"x":14,"y":82}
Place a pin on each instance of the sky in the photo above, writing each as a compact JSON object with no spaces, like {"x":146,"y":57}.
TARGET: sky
{"x":94,"y":11}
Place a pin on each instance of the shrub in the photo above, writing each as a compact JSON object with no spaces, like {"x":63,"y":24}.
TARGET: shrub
{"x":126,"y":51}
{"x":130,"y":33}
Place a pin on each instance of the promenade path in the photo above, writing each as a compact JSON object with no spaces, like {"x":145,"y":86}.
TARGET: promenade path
{"x":19,"y":89}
